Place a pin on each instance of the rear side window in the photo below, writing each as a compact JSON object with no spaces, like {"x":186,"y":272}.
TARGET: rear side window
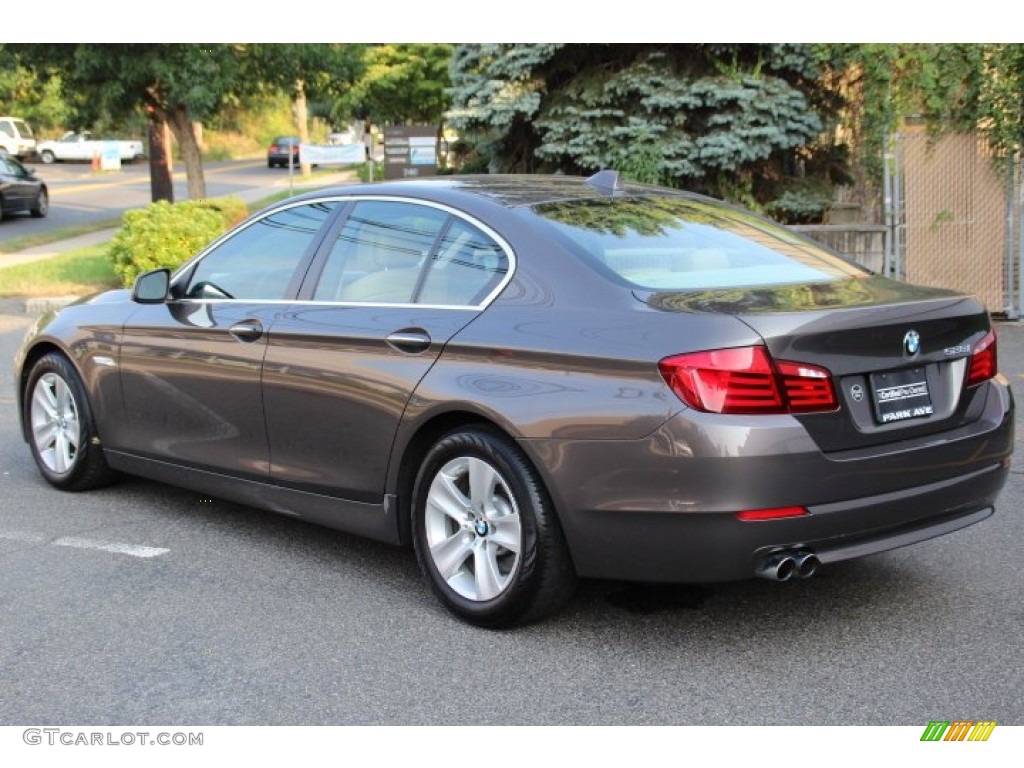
{"x":391,"y":252}
{"x":677,"y":243}
{"x":466,"y":267}
{"x":380,"y":253}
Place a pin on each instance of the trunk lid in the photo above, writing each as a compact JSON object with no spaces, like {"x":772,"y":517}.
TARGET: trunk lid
{"x":898,"y":353}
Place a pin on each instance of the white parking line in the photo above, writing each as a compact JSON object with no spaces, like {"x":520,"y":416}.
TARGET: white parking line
{"x":134,"y":550}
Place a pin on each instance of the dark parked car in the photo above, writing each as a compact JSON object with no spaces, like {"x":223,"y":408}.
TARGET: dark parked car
{"x":281,"y":148}
{"x":530,"y":379}
{"x":21,"y":190}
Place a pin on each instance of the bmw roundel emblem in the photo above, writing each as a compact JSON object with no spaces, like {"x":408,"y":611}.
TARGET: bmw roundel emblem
{"x":911,"y":343}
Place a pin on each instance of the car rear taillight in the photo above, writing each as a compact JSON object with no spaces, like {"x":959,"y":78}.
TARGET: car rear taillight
{"x":808,"y":388}
{"x":273,"y":147}
{"x":984,"y":364}
{"x":747,"y":380}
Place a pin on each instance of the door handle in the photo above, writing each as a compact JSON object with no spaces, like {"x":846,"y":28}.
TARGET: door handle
{"x":410,"y":340}
{"x":247,"y":331}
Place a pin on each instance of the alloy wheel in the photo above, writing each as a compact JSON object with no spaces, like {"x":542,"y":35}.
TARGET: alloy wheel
{"x":56,"y":430}
{"x":473,"y":528}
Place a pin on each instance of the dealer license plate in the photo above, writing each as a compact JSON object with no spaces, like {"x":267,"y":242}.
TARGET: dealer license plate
{"x":901,"y":395}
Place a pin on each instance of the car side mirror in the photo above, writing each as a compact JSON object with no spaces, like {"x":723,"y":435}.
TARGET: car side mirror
{"x":151,"y":287}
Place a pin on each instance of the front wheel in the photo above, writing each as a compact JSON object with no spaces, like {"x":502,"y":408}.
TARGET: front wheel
{"x":62,"y":434}
{"x":47,"y":157}
{"x":486,"y":534}
{"x":42,"y":206}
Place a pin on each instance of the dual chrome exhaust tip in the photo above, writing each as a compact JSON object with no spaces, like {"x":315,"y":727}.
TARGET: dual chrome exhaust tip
{"x":783,"y":566}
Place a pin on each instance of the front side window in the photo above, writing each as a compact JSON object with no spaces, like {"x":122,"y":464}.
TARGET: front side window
{"x":259,"y":262}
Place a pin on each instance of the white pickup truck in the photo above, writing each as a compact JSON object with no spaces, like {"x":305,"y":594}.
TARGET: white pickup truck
{"x":82,"y":146}
{"x":16,"y":137}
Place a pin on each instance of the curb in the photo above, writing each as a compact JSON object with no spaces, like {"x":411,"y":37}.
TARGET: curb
{"x":39,"y":306}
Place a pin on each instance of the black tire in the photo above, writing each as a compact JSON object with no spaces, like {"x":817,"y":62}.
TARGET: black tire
{"x":42,"y":206}
{"x":87,"y":467}
{"x":536,"y":581}
{"x":47,"y":157}
{"x":271,"y":164}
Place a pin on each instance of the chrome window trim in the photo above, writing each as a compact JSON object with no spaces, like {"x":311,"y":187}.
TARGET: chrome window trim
{"x":482,"y":305}
{"x":303,"y":302}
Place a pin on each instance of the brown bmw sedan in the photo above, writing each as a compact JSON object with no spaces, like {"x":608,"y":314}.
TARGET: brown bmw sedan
{"x":533,"y":379}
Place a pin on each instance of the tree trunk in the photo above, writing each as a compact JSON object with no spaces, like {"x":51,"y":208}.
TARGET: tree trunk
{"x":161,"y":184}
{"x":181,"y":125}
{"x":302,"y":120}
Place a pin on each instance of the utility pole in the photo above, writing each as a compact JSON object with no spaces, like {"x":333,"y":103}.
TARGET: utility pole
{"x":302,"y":121}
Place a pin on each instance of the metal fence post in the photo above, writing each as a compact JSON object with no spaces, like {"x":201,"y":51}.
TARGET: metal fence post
{"x":887,"y":206}
{"x":1015,"y":284}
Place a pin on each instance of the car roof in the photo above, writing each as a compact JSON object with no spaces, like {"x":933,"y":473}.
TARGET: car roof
{"x":509,"y":191}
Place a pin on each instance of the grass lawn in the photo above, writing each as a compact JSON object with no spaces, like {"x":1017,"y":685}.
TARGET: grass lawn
{"x":77,"y":273}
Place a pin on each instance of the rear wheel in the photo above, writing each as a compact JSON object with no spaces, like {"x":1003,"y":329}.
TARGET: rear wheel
{"x":47,"y":156}
{"x":62,"y":434}
{"x":486,"y":534}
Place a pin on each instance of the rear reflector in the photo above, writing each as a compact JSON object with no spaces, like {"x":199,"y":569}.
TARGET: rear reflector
{"x":747,"y":380}
{"x":984,"y":364}
{"x":772,"y":514}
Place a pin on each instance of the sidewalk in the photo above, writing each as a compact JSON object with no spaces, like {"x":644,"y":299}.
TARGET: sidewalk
{"x":56,"y":249}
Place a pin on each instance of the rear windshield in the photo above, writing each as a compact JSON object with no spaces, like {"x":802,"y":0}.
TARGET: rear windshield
{"x":676,"y":243}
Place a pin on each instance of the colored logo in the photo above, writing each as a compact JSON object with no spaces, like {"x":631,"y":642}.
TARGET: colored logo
{"x":958,"y":730}
{"x":911,"y":343}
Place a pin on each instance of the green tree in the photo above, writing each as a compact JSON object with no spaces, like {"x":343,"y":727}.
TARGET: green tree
{"x":172,"y":83}
{"x":34,"y":97}
{"x":400,"y":83}
{"x":882,"y":84}
{"x":306,"y":71}
{"x":702,"y":115}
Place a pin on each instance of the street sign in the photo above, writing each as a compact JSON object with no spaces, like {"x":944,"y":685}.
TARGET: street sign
{"x":410,"y":151}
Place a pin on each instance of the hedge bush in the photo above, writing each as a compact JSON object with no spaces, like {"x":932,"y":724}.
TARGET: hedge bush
{"x":167,"y":234}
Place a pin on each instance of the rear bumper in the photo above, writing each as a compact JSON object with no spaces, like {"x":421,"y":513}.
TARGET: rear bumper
{"x":708,"y":547}
{"x":663,"y":509}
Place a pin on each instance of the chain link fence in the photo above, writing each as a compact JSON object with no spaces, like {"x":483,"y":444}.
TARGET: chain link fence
{"x":953,"y":216}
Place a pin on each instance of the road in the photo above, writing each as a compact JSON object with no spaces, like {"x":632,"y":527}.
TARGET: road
{"x":78,"y":195}
{"x":252,"y":618}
